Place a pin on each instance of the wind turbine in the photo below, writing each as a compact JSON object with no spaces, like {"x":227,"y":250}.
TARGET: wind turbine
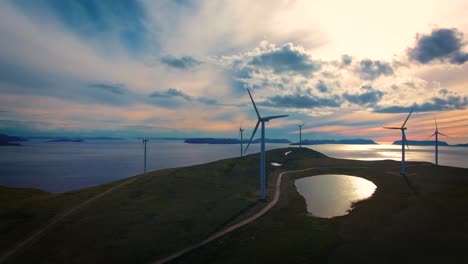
{"x":300,"y":134}
{"x":403,"y":142}
{"x":144,"y":142}
{"x":436,"y":134}
{"x":241,"y":130}
{"x":261,"y":120}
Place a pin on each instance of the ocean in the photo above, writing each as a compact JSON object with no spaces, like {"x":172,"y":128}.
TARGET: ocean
{"x":66,"y":166}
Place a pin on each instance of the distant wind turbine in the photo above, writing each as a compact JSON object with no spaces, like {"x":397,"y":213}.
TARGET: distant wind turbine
{"x":300,"y":134}
{"x":436,"y":134}
{"x":241,"y":130}
{"x":262,"y":152}
{"x":403,"y":142}
{"x":144,"y":142}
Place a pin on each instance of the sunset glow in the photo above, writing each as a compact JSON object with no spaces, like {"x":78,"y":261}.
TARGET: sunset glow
{"x":181,"y":68}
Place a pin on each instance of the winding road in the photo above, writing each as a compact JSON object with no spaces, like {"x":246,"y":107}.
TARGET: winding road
{"x":229,"y":229}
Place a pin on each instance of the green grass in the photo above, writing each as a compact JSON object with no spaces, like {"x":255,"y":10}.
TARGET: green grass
{"x":167,"y":210}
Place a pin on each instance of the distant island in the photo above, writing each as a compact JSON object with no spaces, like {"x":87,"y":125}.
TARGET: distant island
{"x":166,"y":138}
{"x":421,"y":143}
{"x":78,"y":140}
{"x":461,"y":145}
{"x":103,"y":138}
{"x":230,"y":141}
{"x":331,"y":141}
{"x":6,"y":140}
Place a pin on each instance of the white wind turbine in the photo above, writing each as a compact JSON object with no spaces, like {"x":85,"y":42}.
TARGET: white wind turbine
{"x":403,"y":142}
{"x":261,"y":120}
{"x":300,"y":134}
{"x":241,"y":130}
{"x":436,"y":134}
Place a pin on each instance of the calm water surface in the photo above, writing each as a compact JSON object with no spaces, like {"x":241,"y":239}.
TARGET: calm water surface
{"x":62,"y":166}
{"x":65,"y":166}
{"x":333,"y":195}
{"x":448,"y":156}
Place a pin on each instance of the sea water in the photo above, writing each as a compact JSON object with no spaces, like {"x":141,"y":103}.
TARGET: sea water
{"x":65,"y":166}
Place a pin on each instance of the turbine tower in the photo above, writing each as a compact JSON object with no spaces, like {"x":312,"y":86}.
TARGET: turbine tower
{"x":436,"y":134}
{"x":403,"y":142}
{"x":300,"y":134}
{"x":261,"y":120}
{"x":144,"y":142}
{"x":241,"y":130}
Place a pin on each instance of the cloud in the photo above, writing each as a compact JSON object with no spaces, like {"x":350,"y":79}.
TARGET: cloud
{"x":207,"y":101}
{"x":321,"y":86}
{"x":301,"y":101}
{"x":120,"y":21}
{"x":286,"y":59}
{"x":442,"y":44}
{"x":370,"y":96}
{"x":113,"y":88}
{"x":452,"y":102}
{"x":171,"y":93}
{"x":371,"y":70}
{"x":346,"y":60}
{"x":183,"y":63}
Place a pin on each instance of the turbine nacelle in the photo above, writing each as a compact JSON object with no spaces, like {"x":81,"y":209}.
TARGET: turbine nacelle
{"x":260,"y":119}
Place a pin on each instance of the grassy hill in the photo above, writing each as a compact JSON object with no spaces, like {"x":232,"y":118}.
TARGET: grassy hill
{"x":159,"y":213}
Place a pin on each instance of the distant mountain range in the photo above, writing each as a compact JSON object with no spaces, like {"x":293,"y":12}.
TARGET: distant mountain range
{"x":230,"y":141}
{"x":428,"y":143}
{"x":76,"y":140}
{"x":342,"y":141}
{"x":6,"y":140}
{"x":56,"y":137}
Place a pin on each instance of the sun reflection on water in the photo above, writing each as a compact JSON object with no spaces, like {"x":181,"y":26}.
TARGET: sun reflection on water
{"x":333,"y":195}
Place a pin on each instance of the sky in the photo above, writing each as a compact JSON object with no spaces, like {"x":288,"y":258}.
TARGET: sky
{"x":180,"y":68}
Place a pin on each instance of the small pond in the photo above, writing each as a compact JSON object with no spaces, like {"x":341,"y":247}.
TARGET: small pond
{"x":332,"y":195}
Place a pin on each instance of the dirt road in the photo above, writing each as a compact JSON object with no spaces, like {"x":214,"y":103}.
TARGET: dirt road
{"x":229,"y":229}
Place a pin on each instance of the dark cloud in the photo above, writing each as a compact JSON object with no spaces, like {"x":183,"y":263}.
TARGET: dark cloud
{"x":207,"y":101}
{"x":183,"y":63}
{"x":443,"y":91}
{"x":113,"y":88}
{"x":321,"y":86}
{"x":124,"y":20}
{"x":452,"y":102}
{"x":301,"y":101}
{"x":287,"y":59}
{"x":22,"y":80}
{"x":442,"y":44}
{"x":346,"y":60}
{"x":171,"y":93}
{"x":369,"y":96}
{"x":371,"y":70}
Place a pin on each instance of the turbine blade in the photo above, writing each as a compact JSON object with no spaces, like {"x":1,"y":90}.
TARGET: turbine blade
{"x":408,"y":117}
{"x":443,"y":134}
{"x":258,"y":115}
{"x":430,"y":136}
{"x":253,"y":134}
{"x":436,"y":123}
{"x":392,"y":127}
{"x":268,"y":118}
